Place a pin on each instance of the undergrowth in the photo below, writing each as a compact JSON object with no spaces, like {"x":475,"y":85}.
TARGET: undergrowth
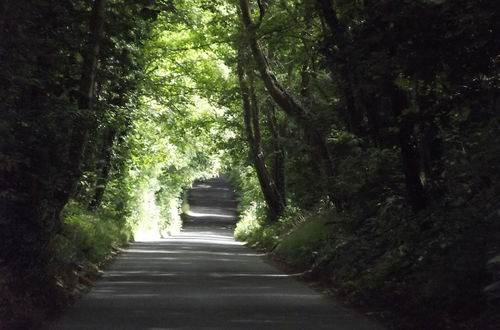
{"x":295,"y":238}
{"x":85,"y":241}
{"x":88,"y":235}
{"x":420,"y":270}
{"x":438,"y":268}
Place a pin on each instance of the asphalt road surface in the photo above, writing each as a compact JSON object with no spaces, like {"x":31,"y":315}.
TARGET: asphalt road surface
{"x":203,"y":279}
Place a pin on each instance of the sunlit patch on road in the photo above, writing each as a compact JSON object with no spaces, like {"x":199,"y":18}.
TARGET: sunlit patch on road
{"x":210,"y":215}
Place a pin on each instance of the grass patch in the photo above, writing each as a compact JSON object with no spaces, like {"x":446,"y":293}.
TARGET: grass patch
{"x":251,"y":230}
{"x":88,"y":236}
{"x":88,"y":239}
{"x":301,"y":245}
{"x":296,"y":239}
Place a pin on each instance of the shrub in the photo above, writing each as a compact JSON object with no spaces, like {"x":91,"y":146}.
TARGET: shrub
{"x":87,"y":236}
{"x":301,"y":244}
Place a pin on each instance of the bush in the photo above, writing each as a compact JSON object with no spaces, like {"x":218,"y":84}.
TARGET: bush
{"x":300,"y":245}
{"x":88,"y":235}
{"x":296,"y":238}
{"x":250,"y":228}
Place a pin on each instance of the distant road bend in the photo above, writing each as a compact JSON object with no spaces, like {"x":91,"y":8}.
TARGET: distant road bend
{"x":203,"y":279}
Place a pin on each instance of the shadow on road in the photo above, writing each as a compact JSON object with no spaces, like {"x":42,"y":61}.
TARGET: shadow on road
{"x":212,"y":207}
{"x":203,"y":279}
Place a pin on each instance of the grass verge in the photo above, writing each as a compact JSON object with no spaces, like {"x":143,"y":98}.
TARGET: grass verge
{"x":401,"y":277}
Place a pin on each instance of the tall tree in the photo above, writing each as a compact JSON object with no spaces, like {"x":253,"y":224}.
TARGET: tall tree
{"x":83,"y":125}
{"x":282,"y":97}
{"x":272,"y":195}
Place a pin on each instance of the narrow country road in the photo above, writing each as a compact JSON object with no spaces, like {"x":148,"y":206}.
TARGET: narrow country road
{"x":203,"y":279}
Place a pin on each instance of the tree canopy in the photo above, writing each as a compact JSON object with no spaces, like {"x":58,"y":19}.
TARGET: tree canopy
{"x":377,"y":121}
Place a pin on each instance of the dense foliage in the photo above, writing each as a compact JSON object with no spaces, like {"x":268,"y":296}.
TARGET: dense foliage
{"x":363,"y":138}
{"x":405,"y":97}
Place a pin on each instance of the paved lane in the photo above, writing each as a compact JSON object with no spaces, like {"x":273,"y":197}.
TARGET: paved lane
{"x":203,"y":279}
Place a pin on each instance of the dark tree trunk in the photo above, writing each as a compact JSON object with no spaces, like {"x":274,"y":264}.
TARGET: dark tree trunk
{"x":33,"y":217}
{"x":329,"y":15}
{"x":408,"y":145}
{"x":279,"y":94}
{"x":278,"y":152}
{"x":91,"y":56}
{"x":252,"y":128}
{"x":284,"y":99}
{"x":82,"y":126}
{"x":336,"y":41}
{"x":430,"y":147}
{"x":410,"y":159}
{"x":353,"y":107}
{"x":337,"y":38}
{"x":107,"y":162}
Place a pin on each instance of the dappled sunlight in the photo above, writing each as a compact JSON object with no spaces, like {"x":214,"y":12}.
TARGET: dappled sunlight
{"x":144,"y":235}
{"x":188,"y":238}
{"x":218,"y":275}
{"x":203,"y":237}
{"x":209,"y":215}
{"x":143,"y":273}
{"x":149,"y":251}
{"x":202,"y":271}
{"x":207,"y":186}
{"x":201,"y":186}
{"x":207,"y":240}
{"x":185,"y":252}
{"x":130,"y":252}
{"x":151,"y":274}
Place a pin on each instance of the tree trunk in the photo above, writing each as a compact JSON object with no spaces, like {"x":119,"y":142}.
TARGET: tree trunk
{"x":82,"y":126}
{"x":278,"y":153}
{"x":89,"y":67}
{"x":329,"y":15}
{"x":336,"y":41}
{"x":252,"y":128}
{"x":337,"y":38}
{"x":107,"y":161}
{"x":277,"y":92}
{"x":408,"y":146}
{"x":283,"y":98}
